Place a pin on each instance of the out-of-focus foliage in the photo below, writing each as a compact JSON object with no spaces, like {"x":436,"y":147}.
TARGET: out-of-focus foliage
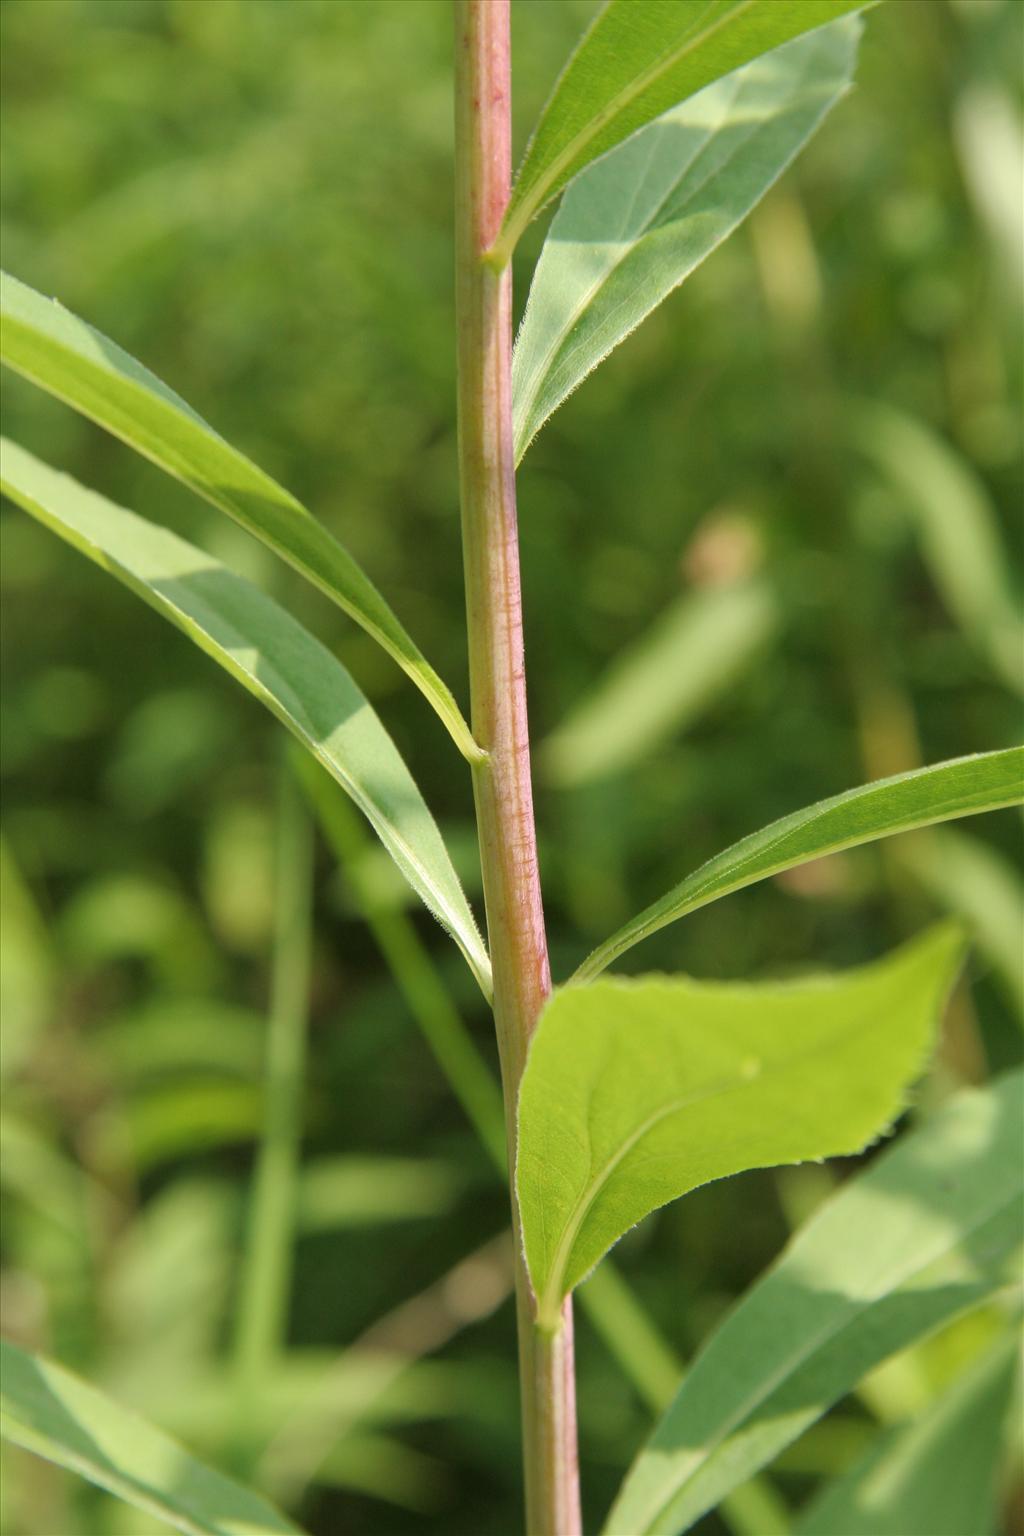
{"x":255,"y":199}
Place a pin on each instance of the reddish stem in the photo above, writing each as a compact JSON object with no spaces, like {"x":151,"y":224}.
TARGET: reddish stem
{"x":502,"y":785}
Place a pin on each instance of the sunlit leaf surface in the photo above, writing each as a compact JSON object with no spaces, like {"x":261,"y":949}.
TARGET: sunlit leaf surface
{"x":639,"y":58}
{"x":929,"y":1230}
{"x":67,"y":357}
{"x":274,"y":658}
{"x":638,"y":222}
{"x":636,"y":1091}
{"x":47,"y":1410}
{"x":961,"y":787}
{"x":939,"y":1474}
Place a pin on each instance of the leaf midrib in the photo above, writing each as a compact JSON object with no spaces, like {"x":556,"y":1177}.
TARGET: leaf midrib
{"x":538,"y":194}
{"x":585,"y":1202}
{"x":829,"y":1332}
{"x":664,"y":911}
{"x":542,"y":374}
{"x":277,"y":706}
{"x":120,"y":1483}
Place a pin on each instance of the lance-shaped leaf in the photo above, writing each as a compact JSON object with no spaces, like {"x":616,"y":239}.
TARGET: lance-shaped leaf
{"x":272,"y":656}
{"x":64,"y":355}
{"x":962,"y":787}
{"x":940,"y":1473}
{"x":634,"y":225}
{"x":930,"y":1229}
{"x":46,"y":1409}
{"x":639,"y":58}
{"x":637,"y":1091}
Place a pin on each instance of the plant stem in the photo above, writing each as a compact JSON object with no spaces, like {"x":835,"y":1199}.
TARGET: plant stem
{"x":502,"y":787}
{"x":263,"y":1292}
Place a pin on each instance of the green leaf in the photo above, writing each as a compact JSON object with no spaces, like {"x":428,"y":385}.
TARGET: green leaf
{"x":939,"y":1474}
{"x":962,"y":787}
{"x":637,"y":1091}
{"x":275,"y":659}
{"x":638,"y":222}
{"x":957,"y":528}
{"x":639,"y":58}
{"x":922,"y":1235}
{"x":47,"y":1410}
{"x":688,"y":658}
{"x":64,"y":355}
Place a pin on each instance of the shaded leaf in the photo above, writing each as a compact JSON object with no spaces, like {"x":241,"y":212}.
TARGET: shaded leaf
{"x":939,"y":1474}
{"x":957,"y":530}
{"x":979,"y":884}
{"x":47,"y":1410}
{"x":638,"y":222}
{"x":963,"y":786}
{"x":689,"y":656}
{"x":275,"y":659}
{"x":638,"y":59}
{"x":923,"y":1234}
{"x":636,"y":1091}
{"x":64,"y":355}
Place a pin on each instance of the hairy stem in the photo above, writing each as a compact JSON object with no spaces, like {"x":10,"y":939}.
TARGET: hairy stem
{"x":504,"y":797}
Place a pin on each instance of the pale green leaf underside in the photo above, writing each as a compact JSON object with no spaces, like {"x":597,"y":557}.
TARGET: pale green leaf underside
{"x":964,"y":786}
{"x":928,"y":1230}
{"x":639,"y":58}
{"x":638,"y":222}
{"x":939,"y":1474}
{"x":957,"y":528}
{"x":274,"y":658}
{"x":65,"y":356}
{"x":45,"y":1409}
{"x":637,"y":1091}
{"x":687,"y":659}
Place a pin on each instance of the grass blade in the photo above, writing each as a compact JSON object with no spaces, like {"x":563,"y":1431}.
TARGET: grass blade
{"x":638,"y":59}
{"x":47,"y":1410}
{"x":275,"y":659}
{"x":923,"y":1234}
{"x":68,"y":358}
{"x":964,"y":786}
{"x":639,"y":221}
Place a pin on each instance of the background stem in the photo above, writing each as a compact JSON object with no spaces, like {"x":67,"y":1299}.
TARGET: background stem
{"x":504,"y":797}
{"x":266,"y":1266}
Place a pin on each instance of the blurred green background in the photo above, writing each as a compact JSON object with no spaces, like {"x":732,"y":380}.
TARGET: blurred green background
{"x":790,"y":501}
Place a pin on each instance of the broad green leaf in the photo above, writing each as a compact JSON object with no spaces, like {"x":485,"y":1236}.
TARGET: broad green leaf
{"x":637,"y":1091}
{"x":64,"y":355}
{"x":957,"y":529}
{"x":962,"y":787}
{"x":694,"y":651}
{"x":639,"y":58}
{"x":939,"y":1474}
{"x":45,"y":1409}
{"x":927,"y":1231}
{"x":275,"y":659}
{"x":638,"y":222}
